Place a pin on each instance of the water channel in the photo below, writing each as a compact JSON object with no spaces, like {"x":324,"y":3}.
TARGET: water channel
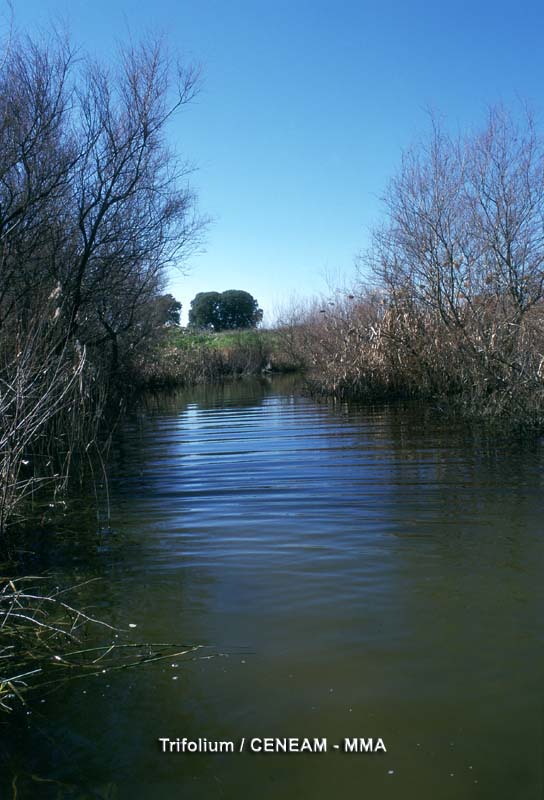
{"x":351,"y":571}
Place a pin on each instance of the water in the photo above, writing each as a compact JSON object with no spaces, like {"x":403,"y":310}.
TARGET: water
{"x":355,"y":572}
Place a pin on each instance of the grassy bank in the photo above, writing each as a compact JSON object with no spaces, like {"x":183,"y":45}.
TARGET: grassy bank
{"x":184,"y":358}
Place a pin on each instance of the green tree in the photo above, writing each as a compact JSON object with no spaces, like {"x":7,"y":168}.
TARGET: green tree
{"x":168,"y":309}
{"x":226,"y":311}
{"x":238,"y":309}
{"x":204,"y":311}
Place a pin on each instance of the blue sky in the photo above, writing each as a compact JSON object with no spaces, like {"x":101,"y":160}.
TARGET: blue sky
{"x":304,"y":111}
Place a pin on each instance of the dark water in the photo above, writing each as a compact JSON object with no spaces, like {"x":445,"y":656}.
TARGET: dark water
{"x":364,"y":572}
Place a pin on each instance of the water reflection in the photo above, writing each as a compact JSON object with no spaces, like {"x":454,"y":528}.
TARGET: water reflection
{"x":366,"y":572}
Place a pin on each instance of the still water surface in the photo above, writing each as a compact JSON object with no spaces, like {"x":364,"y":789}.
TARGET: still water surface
{"x":364,"y":572}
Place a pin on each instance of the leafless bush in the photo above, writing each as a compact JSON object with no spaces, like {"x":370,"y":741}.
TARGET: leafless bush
{"x":457,"y":302}
{"x":94,"y":207}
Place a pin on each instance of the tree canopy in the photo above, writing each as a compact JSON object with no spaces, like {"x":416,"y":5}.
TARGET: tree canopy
{"x":225,"y":311}
{"x":167,"y":310}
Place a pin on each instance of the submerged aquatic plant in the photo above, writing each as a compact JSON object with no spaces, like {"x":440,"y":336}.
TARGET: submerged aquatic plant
{"x":42,"y":641}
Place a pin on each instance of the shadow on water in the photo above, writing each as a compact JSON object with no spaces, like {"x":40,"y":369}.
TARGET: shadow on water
{"x":362,"y":572}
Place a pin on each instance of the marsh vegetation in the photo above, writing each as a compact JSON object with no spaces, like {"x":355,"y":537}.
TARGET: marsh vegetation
{"x":450,"y":303}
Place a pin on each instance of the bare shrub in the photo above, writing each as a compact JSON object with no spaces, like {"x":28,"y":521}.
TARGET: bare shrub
{"x":94,"y":207}
{"x":456,"y":305}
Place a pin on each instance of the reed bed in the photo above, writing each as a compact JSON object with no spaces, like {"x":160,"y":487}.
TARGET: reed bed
{"x":52,"y":402}
{"x":371,"y":346}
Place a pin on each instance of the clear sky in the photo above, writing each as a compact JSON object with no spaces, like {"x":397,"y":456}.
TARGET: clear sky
{"x":304,"y":111}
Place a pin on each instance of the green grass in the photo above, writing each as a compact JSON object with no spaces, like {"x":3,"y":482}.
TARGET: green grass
{"x":190,"y":357}
{"x":222,"y":340}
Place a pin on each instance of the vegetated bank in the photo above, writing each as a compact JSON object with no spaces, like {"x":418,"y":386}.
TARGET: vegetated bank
{"x":94,"y":209}
{"x":454,"y":308}
{"x":184,"y":357}
{"x":221,"y":341}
